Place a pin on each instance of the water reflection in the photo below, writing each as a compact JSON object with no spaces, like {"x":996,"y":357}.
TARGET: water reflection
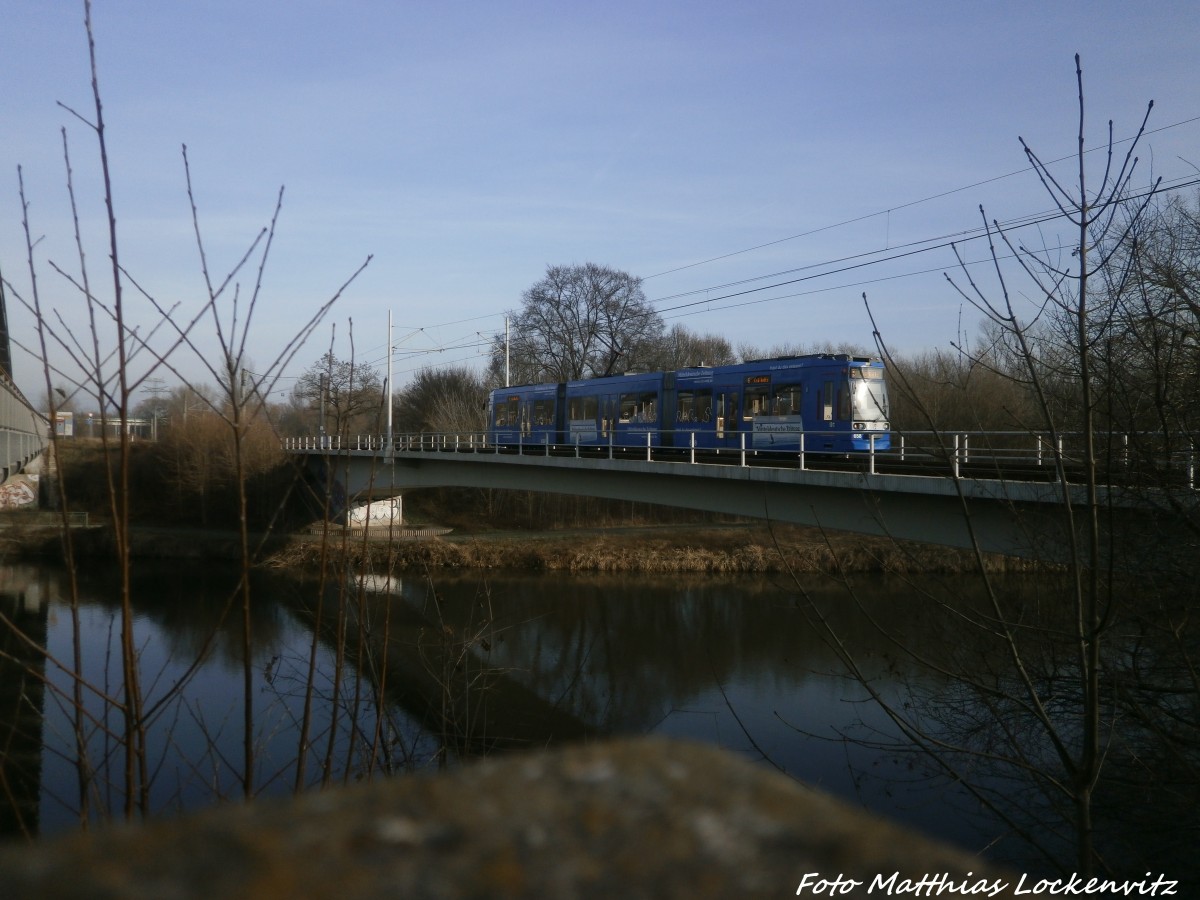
{"x":726,"y":661}
{"x":426,"y":673}
{"x":23,"y":606}
{"x":396,"y":673}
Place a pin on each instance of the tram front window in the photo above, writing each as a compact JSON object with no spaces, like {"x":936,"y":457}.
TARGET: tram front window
{"x":868,"y":395}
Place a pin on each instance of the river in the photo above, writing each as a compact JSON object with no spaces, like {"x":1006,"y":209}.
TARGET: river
{"x":434,"y":669}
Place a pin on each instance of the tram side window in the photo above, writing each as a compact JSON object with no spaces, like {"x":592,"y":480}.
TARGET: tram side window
{"x":583,"y":408}
{"x":694,"y":406}
{"x":756,"y":402}
{"x":506,"y":413}
{"x":827,"y":401}
{"x":685,"y":407}
{"x":628,"y":407}
{"x":786,"y":401}
{"x":639,"y":407}
{"x":844,"y":402}
{"x":543,"y":412}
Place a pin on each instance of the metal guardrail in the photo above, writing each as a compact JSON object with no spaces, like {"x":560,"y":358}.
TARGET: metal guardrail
{"x":956,"y":453}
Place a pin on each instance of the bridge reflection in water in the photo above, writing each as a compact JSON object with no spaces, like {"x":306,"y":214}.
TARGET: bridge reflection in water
{"x":418,"y":673}
{"x":425,"y":671}
{"x":24,"y":604}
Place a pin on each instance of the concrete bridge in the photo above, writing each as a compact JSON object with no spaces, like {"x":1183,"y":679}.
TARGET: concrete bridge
{"x":1006,"y":499}
{"x":24,"y":432}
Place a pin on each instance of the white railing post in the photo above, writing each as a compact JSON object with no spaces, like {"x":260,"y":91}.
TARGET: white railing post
{"x":692,"y":447}
{"x":901,"y":448}
{"x":611,"y":429}
{"x":742,"y":435}
{"x":647,"y":446}
{"x":871,"y":438}
{"x":956,"y":455}
{"x":577,"y":446}
{"x":801,"y":451}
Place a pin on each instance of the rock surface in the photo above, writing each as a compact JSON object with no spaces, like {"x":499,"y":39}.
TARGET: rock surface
{"x":628,"y":819}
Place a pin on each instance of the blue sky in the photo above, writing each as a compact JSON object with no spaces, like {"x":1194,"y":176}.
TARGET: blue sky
{"x":466,"y":146}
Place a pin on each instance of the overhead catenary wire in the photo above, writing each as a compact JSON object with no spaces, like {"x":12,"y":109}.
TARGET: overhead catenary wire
{"x":818,"y":269}
{"x":911,"y":203}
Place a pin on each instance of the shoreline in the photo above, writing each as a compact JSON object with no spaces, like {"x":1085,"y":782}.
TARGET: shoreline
{"x":724,"y":549}
{"x":717,"y":549}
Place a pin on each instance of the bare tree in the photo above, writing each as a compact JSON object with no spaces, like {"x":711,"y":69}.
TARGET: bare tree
{"x":442,"y":400}
{"x":1031,"y":707}
{"x":955,"y":390}
{"x":1145,"y":336}
{"x":346,"y":395}
{"x":111,"y":362}
{"x":578,"y":322}
{"x":680,"y":348}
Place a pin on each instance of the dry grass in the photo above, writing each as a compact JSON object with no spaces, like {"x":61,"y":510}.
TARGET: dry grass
{"x":724,"y":550}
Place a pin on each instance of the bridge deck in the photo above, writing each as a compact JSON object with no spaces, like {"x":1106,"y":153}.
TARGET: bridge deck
{"x":899,"y":494}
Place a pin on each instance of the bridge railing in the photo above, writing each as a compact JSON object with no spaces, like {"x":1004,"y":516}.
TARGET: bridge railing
{"x":23,"y":431}
{"x":1145,"y":457}
{"x":1137,"y":457}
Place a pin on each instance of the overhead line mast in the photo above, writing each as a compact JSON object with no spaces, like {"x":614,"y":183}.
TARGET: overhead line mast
{"x":5,"y":346}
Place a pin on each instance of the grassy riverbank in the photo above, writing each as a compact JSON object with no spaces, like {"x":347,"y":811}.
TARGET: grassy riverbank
{"x":648,"y":549}
{"x":664,"y":549}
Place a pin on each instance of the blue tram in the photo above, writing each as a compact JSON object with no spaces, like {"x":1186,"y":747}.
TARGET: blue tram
{"x":839,"y":403}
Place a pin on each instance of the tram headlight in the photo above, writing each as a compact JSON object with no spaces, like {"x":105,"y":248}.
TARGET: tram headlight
{"x":859,"y":426}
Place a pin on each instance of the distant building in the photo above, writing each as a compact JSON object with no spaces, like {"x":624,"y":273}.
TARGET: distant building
{"x":64,"y":423}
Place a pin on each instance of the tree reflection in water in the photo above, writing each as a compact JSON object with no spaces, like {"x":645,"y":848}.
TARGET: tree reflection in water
{"x":433,"y":672}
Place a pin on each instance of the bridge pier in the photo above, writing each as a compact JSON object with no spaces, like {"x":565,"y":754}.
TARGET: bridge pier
{"x":377,"y":513}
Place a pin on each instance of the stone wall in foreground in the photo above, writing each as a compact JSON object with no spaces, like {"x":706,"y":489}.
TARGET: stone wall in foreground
{"x":623,"y":819}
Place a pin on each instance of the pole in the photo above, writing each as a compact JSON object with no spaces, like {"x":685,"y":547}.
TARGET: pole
{"x":321,"y":402}
{"x":389,"y":384}
{"x":506,"y":351}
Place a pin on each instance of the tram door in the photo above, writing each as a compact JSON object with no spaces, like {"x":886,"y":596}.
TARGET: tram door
{"x":560,"y":415}
{"x":666,"y":414}
{"x":729,"y":414}
{"x":827,"y":394}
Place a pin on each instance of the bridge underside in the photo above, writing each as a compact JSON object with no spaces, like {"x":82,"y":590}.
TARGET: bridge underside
{"x":1017,"y":519}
